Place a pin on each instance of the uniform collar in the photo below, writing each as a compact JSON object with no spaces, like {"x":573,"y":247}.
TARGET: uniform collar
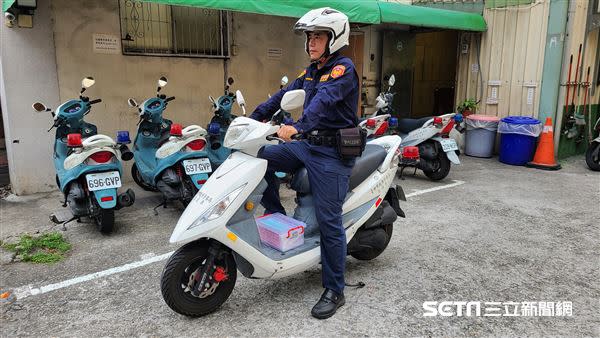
{"x":328,"y":64}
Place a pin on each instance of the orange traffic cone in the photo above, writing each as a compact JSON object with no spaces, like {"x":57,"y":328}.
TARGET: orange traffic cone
{"x":544,"y":155}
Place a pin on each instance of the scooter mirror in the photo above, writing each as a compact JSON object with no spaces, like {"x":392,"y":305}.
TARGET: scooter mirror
{"x":87,"y":82}
{"x":240,"y":98}
{"x":392,"y":80}
{"x":284,"y":80}
{"x":39,"y":107}
{"x":162,"y":81}
{"x":132,"y":102}
{"x":293,"y":99}
{"x":230,"y":81}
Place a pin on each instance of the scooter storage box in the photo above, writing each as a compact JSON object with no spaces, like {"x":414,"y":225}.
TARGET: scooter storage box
{"x":280,"y":232}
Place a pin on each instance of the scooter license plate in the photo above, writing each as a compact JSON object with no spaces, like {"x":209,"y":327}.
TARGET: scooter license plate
{"x":197,"y":166}
{"x":106,"y":180}
{"x":449,"y":145}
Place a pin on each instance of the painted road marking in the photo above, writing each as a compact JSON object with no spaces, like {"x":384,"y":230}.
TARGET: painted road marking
{"x":149,"y":258}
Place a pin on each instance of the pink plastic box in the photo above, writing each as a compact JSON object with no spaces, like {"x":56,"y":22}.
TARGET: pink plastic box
{"x":280,"y":232}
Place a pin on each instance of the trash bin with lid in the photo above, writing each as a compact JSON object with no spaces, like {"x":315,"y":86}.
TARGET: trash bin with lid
{"x":518,"y":139}
{"x":481,"y":135}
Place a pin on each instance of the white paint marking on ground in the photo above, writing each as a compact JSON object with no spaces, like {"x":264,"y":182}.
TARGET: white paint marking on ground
{"x":441,"y":187}
{"x":149,"y":258}
{"x":28,"y":290}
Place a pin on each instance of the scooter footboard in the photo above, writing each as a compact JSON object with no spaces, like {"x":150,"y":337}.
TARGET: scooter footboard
{"x":107,"y":198}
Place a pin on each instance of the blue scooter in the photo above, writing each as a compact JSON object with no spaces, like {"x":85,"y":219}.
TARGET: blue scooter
{"x":88,"y":170}
{"x":168,"y":158}
{"x":219,"y":123}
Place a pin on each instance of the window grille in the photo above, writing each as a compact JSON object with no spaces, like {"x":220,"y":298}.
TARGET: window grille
{"x":163,"y":30}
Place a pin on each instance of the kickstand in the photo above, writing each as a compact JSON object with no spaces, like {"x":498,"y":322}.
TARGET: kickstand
{"x":162,"y":204}
{"x":402,"y":172}
{"x":358,"y":285}
{"x":415,"y":173}
{"x":64,"y":224}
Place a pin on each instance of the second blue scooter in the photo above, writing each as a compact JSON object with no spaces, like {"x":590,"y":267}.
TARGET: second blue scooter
{"x":168,"y":158}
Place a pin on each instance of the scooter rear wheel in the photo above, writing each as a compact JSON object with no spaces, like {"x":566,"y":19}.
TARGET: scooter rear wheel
{"x":105,"y":220}
{"x":177,"y":274}
{"x":592,"y":163}
{"x":442,"y":168}
{"x":372,"y":253}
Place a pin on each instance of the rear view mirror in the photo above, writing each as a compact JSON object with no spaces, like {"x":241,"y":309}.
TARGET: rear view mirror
{"x":392,"y":80}
{"x":284,"y":80}
{"x":39,"y":107}
{"x":162,"y":81}
{"x":293,"y":99}
{"x":87,"y":82}
{"x":239,"y":98}
{"x":132,"y":102}
{"x":230,"y":81}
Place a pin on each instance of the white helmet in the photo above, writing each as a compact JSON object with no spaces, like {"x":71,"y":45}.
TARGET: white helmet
{"x":326,"y":19}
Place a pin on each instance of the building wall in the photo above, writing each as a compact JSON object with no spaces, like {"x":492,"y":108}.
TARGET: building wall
{"x":28,"y":74}
{"x":510,"y":54}
{"x":568,"y":146}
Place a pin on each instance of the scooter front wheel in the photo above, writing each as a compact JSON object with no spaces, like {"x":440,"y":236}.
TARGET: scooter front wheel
{"x":184,"y":269}
{"x":442,"y":167}
{"x":593,"y":163}
{"x":137,"y":178}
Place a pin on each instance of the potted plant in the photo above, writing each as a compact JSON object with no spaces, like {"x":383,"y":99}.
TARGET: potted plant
{"x":467,"y":107}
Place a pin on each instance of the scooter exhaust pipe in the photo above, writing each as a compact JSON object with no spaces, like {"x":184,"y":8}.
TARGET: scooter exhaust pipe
{"x":126,"y":199}
{"x":126,"y":154}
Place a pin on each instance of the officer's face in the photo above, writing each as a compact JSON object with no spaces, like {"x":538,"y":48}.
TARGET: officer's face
{"x":317,"y":41}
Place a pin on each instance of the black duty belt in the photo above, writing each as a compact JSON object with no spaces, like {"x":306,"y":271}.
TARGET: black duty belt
{"x":318,"y":140}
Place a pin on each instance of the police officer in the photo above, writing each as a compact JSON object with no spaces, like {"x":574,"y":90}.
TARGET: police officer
{"x":331,"y":85}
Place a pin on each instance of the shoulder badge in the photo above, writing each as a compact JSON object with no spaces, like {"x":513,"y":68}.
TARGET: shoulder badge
{"x":302,"y":73}
{"x":338,"y":71}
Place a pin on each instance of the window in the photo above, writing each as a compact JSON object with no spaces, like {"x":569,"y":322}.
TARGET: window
{"x":164,"y":30}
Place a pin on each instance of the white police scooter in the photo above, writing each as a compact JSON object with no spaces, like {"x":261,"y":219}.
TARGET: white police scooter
{"x":219,"y":232}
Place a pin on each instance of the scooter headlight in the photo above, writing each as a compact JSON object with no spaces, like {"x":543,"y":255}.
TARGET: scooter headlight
{"x":235,"y":134}
{"x":216,"y":210}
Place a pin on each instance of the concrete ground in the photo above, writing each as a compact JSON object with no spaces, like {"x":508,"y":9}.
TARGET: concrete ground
{"x":508,"y":234}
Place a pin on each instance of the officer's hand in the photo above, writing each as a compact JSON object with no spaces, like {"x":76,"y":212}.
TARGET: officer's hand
{"x":286,"y":133}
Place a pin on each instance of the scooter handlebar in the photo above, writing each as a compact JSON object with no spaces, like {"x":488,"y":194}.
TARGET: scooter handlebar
{"x":95,"y":101}
{"x":170,"y":99}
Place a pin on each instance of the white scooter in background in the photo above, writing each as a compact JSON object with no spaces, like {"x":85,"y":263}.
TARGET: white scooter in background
{"x":434,"y":151}
{"x":219,"y":231}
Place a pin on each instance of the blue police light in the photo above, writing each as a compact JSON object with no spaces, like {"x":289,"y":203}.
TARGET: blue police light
{"x":214,"y":128}
{"x":393,"y":122}
{"x":123,"y":137}
{"x":458,"y":118}
{"x":288,"y":121}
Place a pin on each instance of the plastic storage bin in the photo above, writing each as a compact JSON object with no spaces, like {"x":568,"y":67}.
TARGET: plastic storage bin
{"x":518,"y":139}
{"x":480,"y":137}
{"x":280,"y":232}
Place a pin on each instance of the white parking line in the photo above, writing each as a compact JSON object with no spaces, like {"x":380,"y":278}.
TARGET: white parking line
{"x":29,"y":290}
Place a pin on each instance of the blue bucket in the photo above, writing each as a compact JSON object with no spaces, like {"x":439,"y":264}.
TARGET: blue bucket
{"x":516,"y":148}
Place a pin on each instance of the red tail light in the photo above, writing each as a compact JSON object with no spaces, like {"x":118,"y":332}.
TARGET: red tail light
{"x":410,"y":153}
{"x":371,"y":123}
{"x":437,"y":121}
{"x":382,"y":129}
{"x":74,"y":140}
{"x":201,"y":181}
{"x":106,"y":199}
{"x":176,"y":129}
{"x":197,"y":144}
{"x":101,"y":156}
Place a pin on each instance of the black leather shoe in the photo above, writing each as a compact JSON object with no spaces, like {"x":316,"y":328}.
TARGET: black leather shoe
{"x":328,"y":304}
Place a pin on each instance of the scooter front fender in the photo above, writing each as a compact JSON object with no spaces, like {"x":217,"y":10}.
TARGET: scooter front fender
{"x":197,"y":178}
{"x":239,"y":171}
{"x":108,"y":195}
{"x":453,"y":157}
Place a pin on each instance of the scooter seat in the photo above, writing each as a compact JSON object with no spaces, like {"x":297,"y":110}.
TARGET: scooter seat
{"x":407,"y":125}
{"x":365,"y":165}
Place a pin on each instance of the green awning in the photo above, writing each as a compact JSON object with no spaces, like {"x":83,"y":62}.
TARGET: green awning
{"x":6,"y":4}
{"x":358,"y":11}
{"x":430,"y":17}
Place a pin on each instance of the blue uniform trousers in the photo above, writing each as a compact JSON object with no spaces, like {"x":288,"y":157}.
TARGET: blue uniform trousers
{"x":329,"y":177}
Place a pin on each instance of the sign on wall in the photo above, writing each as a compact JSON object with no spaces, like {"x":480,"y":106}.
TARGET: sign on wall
{"x":106,"y":44}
